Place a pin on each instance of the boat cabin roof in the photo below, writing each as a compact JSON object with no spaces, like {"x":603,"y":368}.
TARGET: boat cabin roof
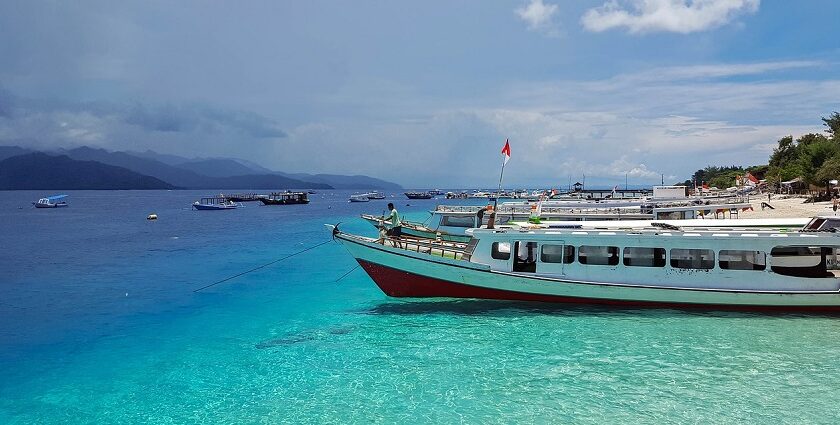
{"x":777,"y":228}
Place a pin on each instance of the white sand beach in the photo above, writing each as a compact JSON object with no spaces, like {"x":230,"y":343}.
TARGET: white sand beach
{"x":786,"y":206}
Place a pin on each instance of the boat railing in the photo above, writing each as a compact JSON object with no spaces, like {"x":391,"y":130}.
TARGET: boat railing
{"x":524,"y":209}
{"x":445,"y":249}
{"x":559,"y":209}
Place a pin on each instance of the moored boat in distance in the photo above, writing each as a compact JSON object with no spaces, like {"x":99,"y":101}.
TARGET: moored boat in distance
{"x":55,"y":201}
{"x":285,"y":198}
{"x":419,"y":195}
{"x":375,"y":195}
{"x":359,"y":197}
{"x":661,"y":266}
{"x":215,"y":203}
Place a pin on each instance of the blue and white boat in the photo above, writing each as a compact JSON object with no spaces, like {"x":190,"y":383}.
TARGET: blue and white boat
{"x":215,"y":203}
{"x":55,"y":201}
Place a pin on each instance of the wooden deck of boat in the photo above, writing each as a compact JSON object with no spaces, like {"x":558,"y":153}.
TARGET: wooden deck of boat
{"x":446,"y":249}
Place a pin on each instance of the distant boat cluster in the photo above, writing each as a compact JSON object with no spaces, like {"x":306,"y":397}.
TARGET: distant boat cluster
{"x":233,"y":201}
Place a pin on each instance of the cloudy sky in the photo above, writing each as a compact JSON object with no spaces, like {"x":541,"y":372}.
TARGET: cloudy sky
{"x":424,"y":92}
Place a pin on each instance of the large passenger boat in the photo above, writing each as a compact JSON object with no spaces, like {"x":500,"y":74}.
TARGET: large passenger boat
{"x":215,"y":203}
{"x":653,"y":265}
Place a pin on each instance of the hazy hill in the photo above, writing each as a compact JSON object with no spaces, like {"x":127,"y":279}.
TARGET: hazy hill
{"x":160,"y":157}
{"x":218,"y":168}
{"x":10,"y":151}
{"x":189,"y":179}
{"x":210,"y":173}
{"x":174,"y":175}
{"x":41,"y":171}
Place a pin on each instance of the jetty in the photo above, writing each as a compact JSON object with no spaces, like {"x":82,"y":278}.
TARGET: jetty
{"x":242,"y":197}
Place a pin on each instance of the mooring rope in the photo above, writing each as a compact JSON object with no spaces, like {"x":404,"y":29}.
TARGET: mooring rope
{"x":262,"y":266}
{"x":345,"y":274}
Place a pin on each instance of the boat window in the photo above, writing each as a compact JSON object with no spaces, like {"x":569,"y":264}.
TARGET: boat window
{"x":457,"y":221}
{"x":692,"y":258}
{"x":644,"y":257}
{"x":500,"y":251}
{"x":557,"y":254}
{"x":526,"y":257}
{"x":731,"y":259}
{"x":802,"y":261}
{"x":598,"y":255}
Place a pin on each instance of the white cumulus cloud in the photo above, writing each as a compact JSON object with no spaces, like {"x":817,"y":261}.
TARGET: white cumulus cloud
{"x":680,"y":16}
{"x":539,"y":16}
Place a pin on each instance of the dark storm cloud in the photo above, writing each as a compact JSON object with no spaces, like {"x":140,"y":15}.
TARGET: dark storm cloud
{"x":185,"y":119}
{"x":7,"y":102}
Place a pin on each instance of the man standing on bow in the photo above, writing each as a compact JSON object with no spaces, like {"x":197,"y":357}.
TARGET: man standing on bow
{"x":393,"y":226}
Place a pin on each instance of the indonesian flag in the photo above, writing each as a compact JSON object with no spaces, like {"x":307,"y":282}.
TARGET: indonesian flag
{"x":506,"y":151}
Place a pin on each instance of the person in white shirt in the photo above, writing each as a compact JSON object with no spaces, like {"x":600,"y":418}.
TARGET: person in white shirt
{"x":393,"y":226}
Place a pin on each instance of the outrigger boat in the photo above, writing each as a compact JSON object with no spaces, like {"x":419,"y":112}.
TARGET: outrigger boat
{"x":285,"y":198}
{"x":655,"y":265}
{"x":55,"y":201}
{"x":215,"y":203}
{"x":417,"y":230}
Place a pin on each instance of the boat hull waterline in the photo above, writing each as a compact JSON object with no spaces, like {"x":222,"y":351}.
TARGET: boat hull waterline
{"x":400,"y":273}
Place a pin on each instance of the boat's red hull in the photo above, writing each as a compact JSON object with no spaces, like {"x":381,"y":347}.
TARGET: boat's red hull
{"x":401,"y":284}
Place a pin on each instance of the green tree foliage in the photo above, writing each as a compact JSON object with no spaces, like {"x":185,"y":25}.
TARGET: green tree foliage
{"x":721,"y":177}
{"x":784,"y":153}
{"x":830,"y":170}
{"x":813,"y":157}
{"x":833,"y":124}
{"x":814,"y":150}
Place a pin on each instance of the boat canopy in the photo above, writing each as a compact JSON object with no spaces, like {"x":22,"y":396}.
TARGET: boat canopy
{"x":56,"y":197}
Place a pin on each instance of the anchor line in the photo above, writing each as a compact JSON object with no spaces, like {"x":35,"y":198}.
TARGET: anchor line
{"x":262,"y":266}
{"x":345,"y":274}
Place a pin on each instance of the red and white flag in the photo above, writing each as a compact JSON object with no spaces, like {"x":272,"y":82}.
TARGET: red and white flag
{"x":506,"y":151}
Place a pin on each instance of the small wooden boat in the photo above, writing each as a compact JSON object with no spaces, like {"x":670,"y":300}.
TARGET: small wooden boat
{"x":285,"y":198}
{"x":215,"y":203}
{"x":359,"y":197}
{"x":417,"y":230}
{"x":55,"y":201}
{"x":419,"y":195}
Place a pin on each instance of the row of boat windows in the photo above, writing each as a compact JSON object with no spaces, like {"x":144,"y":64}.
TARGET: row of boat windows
{"x":683,"y":258}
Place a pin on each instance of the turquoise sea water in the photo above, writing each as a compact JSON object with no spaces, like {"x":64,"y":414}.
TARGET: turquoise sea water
{"x":99,"y":324}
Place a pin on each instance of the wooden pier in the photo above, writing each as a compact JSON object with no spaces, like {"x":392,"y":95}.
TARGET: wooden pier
{"x":242,"y":197}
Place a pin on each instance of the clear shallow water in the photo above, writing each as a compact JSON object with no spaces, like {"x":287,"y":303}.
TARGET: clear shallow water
{"x":98,"y":323}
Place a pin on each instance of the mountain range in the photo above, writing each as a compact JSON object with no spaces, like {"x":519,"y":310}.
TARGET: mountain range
{"x":151,"y":170}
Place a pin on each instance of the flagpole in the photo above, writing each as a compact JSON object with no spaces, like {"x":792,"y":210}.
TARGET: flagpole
{"x":499,"y":192}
